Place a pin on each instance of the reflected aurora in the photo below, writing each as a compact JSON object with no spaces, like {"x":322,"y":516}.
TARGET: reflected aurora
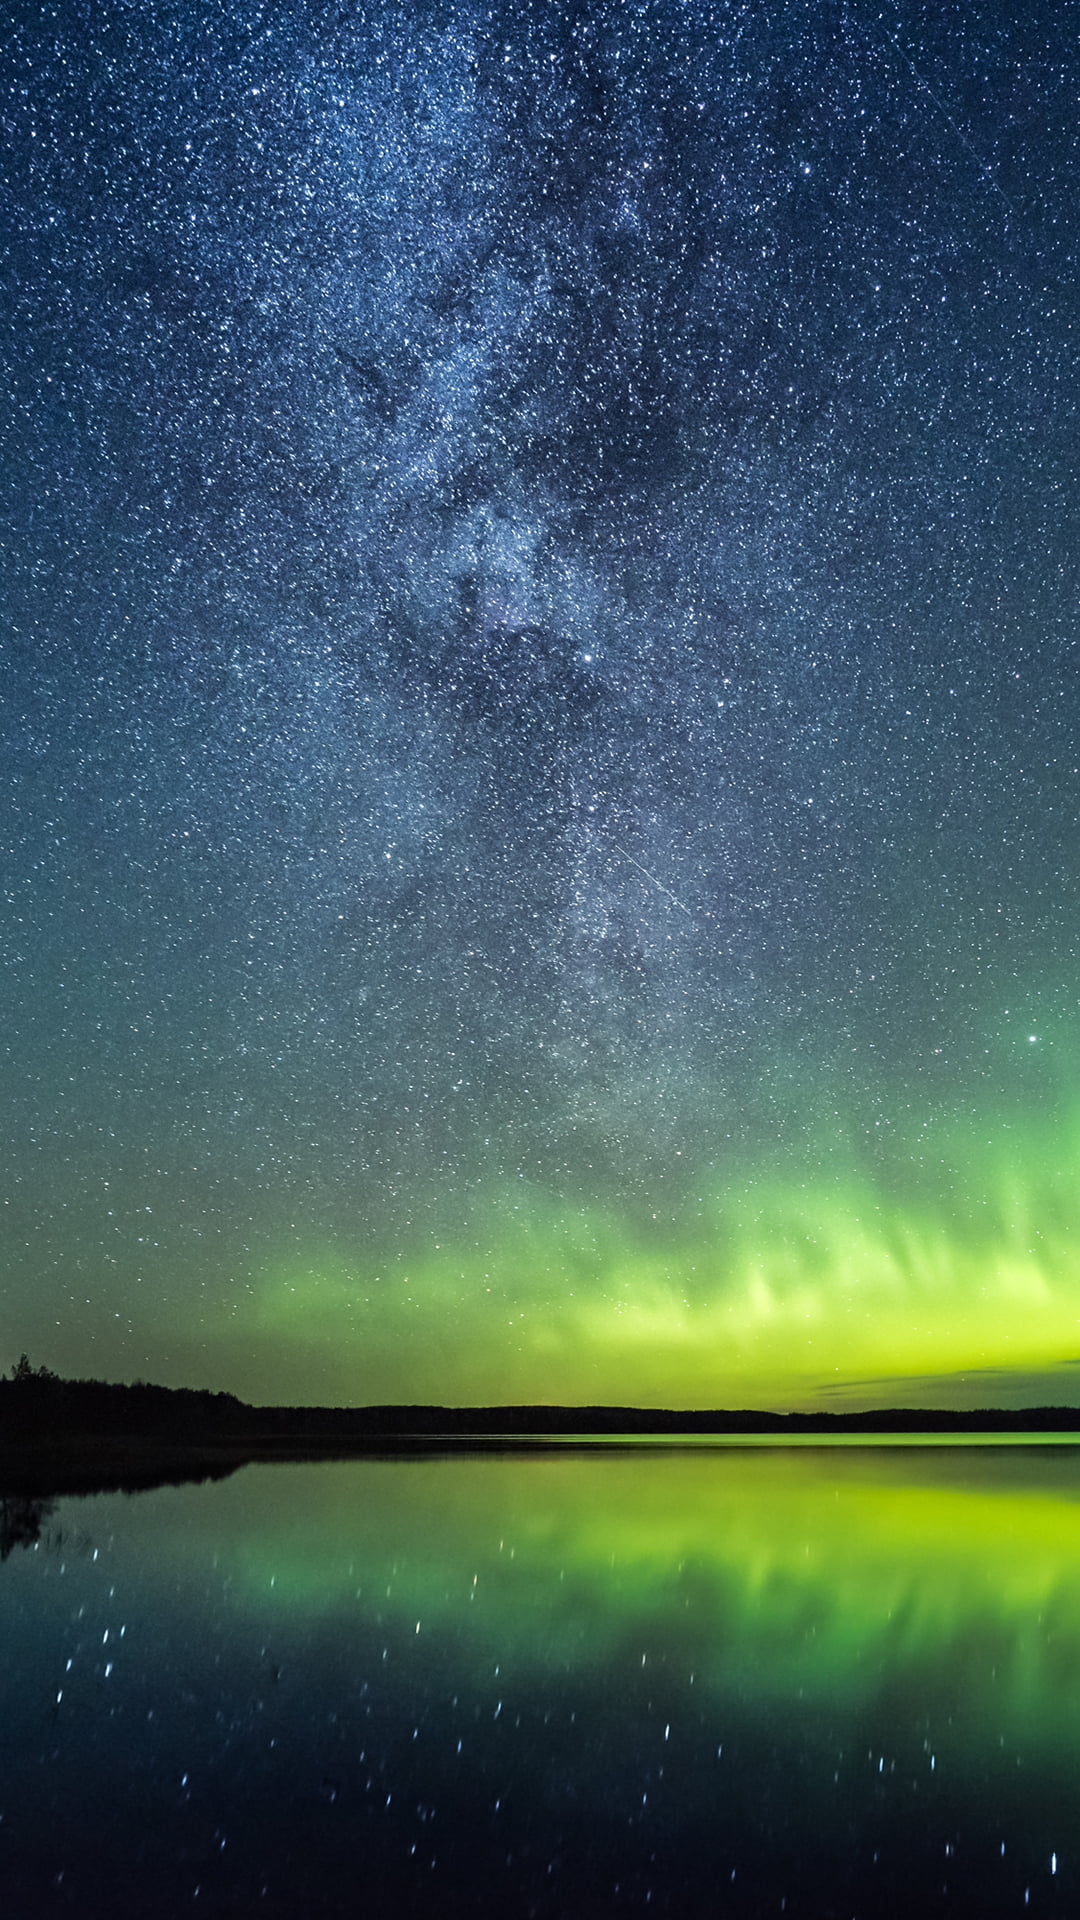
{"x":838,"y":1578}
{"x":822,"y":1681}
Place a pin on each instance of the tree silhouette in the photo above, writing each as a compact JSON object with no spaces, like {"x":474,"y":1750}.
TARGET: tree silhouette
{"x":23,"y":1372}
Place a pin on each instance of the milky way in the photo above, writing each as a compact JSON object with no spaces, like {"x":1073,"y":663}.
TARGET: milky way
{"x":539,"y":714}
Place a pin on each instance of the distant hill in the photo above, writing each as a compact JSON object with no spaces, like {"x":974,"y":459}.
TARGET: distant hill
{"x":39,"y":1407}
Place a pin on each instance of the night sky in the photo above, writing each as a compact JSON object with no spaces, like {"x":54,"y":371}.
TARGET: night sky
{"x":539,"y":711}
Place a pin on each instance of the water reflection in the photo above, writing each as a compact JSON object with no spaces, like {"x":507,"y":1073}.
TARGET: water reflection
{"x":21,"y":1521}
{"x":747,"y":1682}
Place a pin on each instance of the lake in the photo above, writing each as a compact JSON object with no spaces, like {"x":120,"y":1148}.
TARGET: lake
{"x":747,"y":1681}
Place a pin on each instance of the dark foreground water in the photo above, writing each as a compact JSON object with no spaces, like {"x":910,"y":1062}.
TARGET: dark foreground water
{"x":739,"y":1682}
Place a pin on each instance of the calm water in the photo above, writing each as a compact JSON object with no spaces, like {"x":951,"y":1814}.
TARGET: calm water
{"x":742,"y":1682}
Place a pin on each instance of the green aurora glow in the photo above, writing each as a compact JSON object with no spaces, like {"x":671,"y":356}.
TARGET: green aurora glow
{"x":951,"y":1278}
{"x":538,"y":705}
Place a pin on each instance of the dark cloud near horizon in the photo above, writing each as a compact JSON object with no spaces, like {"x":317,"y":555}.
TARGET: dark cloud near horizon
{"x":967,"y":1387}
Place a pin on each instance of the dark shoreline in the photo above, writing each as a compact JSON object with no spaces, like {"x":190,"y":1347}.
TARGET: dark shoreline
{"x":80,"y":1462}
{"x":76,"y":1435}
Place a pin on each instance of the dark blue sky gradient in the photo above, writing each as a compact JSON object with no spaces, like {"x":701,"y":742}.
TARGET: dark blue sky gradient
{"x":540,"y":578}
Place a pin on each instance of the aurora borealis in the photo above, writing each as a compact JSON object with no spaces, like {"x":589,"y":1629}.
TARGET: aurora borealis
{"x":539,"y":727}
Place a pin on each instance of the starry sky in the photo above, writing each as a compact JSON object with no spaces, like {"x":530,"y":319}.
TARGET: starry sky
{"x":539,"y":730}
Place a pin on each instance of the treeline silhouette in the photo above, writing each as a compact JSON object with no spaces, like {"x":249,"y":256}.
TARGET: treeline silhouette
{"x":39,"y":1405}
{"x":37,"y":1402}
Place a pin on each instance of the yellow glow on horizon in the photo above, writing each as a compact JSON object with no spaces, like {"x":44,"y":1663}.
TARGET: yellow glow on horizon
{"x":777,"y":1292}
{"x":943,"y":1275}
